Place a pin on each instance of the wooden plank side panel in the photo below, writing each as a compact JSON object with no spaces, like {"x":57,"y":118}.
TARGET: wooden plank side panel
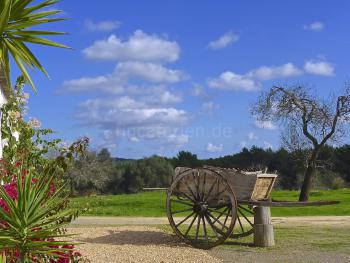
{"x":242,"y":184}
{"x":263,"y":187}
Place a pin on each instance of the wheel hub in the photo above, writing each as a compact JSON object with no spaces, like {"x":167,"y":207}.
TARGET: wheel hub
{"x":200,"y":208}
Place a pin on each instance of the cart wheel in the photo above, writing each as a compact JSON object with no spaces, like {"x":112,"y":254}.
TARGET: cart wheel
{"x":245,"y":223}
{"x":201,"y":208}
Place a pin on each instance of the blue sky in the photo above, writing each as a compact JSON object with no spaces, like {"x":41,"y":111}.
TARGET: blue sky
{"x":156,"y":77}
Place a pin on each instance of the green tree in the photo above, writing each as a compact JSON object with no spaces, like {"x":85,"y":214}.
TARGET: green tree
{"x":186,"y":159}
{"x":89,"y":174}
{"x":342,"y":161}
{"x":155,"y":171}
{"x":104,"y":155}
{"x":17,"y":18}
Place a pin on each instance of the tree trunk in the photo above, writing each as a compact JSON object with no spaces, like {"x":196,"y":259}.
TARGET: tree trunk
{"x":3,"y":82}
{"x":311,"y":168}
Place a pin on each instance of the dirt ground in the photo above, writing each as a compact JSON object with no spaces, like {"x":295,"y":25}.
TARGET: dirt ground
{"x":130,"y":240}
{"x":292,"y":256}
{"x":299,"y":220}
{"x":126,"y":244}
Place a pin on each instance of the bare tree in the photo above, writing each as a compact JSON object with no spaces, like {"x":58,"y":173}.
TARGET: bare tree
{"x":305,"y":116}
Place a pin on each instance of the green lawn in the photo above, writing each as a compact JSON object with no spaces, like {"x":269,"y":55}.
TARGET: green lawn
{"x":293,"y":245}
{"x":153,"y":204}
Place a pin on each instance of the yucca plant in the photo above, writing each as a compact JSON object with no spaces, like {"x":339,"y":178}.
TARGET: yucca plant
{"x":32,"y":212}
{"x":33,"y":215}
{"x":17,"y":17}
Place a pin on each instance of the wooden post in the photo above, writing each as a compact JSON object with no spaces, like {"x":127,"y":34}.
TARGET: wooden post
{"x":263,"y":229}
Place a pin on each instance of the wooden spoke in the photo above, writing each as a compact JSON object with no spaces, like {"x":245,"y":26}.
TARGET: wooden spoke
{"x":246,"y":218}
{"x":240,"y":224}
{"x":184,"y":220}
{"x":198,"y":225}
{"x":245,"y":209}
{"x":218,"y":194}
{"x":218,"y":221}
{"x":216,"y":210}
{"x":190,"y":226}
{"x":181,"y":202}
{"x":217,"y":229}
{"x":183,"y":210}
{"x":188,"y":197}
{"x":210,"y":190}
{"x":197,"y":185}
{"x":212,"y":225}
{"x":223,"y":212}
{"x":227,"y":216}
{"x":204,"y":228}
{"x":245,"y":230}
{"x":203,"y":186}
{"x":191,"y":191}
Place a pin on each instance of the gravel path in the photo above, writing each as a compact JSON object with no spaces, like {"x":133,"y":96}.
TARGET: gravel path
{"x":298,"y":220}
{"x":129,"y":240}
{"x":129,"y":244}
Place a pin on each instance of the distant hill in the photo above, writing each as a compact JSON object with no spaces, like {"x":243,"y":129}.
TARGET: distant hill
{"x":124,"y":160}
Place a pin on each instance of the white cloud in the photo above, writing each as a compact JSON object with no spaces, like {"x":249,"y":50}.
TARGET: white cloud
{"x":122,"y":77}
{"x":101,"y":26}
{"x":151,"y":72}
{"x":322,"y":68}
{"x":145,"y":107}
{"x":252,"y":136}
{"x":130,"y":117}
{"x":139,"y":47}
{"x":134,"y":139}
{"x":268,"y":125}
{"x":162,"y":97}
{"x":315,"y":26}
{"x":251,"y":81}
{"x":177,"y":139}
{"x":232,"y":81}
{"x":223,"y":41}
{"x":107,"y":83}
{"x":214,"y":148}
{"x":275,"y":72}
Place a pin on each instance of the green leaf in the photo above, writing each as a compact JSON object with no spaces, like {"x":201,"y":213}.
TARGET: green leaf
{"x":17,"y":59}
{"x":16,"y":17}
{"x":42,"y":41}
{"x":39,"y":15}
{"x":42,"y":5}
{"x":25,"y":24}
{"x":36,"y":32}
{"x":5,"y":15}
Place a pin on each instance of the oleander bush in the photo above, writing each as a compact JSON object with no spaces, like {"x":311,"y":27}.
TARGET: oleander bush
{"x":33,"y":194}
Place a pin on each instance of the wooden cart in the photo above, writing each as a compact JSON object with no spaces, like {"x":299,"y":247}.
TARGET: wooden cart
{"x":205,"y":206}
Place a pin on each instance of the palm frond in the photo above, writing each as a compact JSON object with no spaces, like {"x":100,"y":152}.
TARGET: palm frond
{"x":17,"y":17}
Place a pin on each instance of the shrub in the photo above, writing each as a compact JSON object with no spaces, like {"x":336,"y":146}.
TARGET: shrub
{"x":338,"y":183}
{"x":33,"y":198}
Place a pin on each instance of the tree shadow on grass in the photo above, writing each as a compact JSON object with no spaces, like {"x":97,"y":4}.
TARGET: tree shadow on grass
{"x":237,"y":243}
{"x":134,"y":237}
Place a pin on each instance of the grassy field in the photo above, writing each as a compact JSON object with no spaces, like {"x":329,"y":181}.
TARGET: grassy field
{"x":293,"y":244}
{"x":153,"y":204}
